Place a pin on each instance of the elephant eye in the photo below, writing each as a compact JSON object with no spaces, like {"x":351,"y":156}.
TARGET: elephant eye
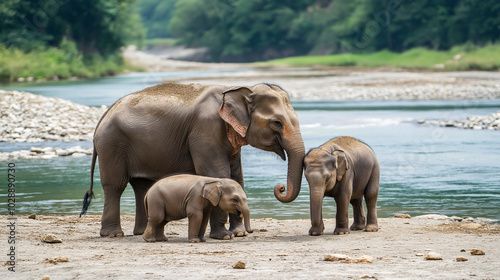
{"x":328,"y":179}
{"x":276,"y":124}
{"x":234,"y":200}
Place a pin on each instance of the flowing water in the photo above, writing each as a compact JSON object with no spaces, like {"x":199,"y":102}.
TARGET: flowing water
{"x":424,"y":169}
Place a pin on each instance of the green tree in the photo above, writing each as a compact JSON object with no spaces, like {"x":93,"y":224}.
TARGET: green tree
{"x":156,"y":16}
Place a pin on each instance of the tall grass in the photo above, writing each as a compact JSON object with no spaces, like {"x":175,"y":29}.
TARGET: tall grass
{"x":465,"y":57}
{"x":63,"y":62}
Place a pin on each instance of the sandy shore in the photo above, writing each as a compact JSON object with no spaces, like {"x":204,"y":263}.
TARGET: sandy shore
{"x":278,"y":249}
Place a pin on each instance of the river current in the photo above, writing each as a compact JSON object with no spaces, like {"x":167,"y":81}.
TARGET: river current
{"x":424,"y":169}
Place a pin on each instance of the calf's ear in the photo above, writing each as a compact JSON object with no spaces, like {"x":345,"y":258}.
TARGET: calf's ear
{"x":212,"y":192}
{"x":342,"y":164}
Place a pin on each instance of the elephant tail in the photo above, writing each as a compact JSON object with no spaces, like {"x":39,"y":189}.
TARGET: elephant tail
{"x":89,"y":195}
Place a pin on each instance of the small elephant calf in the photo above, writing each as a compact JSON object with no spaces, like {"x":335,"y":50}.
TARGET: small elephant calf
{"x":181,"y":196}
{"x":347,"y":170}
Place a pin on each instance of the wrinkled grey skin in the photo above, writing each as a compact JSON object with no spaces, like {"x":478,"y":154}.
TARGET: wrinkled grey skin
{"x":192,"y":196}
{"x":192,"y":129}
{"x":347,"y":170}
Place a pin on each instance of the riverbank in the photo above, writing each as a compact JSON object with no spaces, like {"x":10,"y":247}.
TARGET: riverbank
{"x":278,"y":249}
{"x":27,"y":117}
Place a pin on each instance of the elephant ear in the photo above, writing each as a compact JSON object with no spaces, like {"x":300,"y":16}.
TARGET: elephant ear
{"x":211,"y":192}
{"x":235,"y":109}
{"x":342,"y":164}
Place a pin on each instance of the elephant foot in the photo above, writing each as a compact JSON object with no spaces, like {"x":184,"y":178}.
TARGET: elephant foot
{"x":139,"y":230}
{"x":149,"y":238}
{"x":371,"y":228}
{"x":112,"y":232}
{"x":161,"y":238}
{"x":316,"y":231}
{"x":197,"y":240}
{"x":221,"y":234}
{"x":341,"y":231}
{"x":357,"y":227}
{"x":239,"y":231}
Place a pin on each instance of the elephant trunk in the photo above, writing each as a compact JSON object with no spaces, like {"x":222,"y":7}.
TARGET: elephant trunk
{"x":246,"y":219}
{"x":295,"y":150}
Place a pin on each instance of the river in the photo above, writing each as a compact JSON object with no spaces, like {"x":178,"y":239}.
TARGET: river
{"x":424,"y":169}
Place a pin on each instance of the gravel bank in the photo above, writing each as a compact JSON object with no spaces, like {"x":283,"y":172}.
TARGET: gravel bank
{"x":27,"y":117}
{"x":490,"y":122}
{"x":46,"y":153}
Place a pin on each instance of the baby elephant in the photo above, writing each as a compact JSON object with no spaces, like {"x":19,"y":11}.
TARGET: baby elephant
{"x":345,"y":169}
{"x":181,"y":196}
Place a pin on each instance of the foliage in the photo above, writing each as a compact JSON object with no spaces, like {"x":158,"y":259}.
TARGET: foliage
{"x":464,"y":57}
{"x":63,"y":62}
{"x":156,"y":15}
{"x":99,"y":26}
{"x":258,"y":29}
{"x":45,"y":39}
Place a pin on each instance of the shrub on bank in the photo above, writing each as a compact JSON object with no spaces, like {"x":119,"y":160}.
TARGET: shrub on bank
{"x":63,"y":62}
{"x":465,"y":57}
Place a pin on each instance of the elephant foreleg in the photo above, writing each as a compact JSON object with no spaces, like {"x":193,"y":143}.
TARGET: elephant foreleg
{"x":316,"y":205}
{"x":236,"y":223}
{"x":342,"y":217}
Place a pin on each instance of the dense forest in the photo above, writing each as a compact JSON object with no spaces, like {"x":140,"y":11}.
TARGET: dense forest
{"x":260,"y":29}
{"x":63,"y":38}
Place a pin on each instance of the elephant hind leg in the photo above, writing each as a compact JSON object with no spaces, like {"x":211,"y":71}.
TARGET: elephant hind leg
{"x":141,"y":187}
{"x":110,"y":221}
{"x":371,"y":196}
{"x":359,"y":214}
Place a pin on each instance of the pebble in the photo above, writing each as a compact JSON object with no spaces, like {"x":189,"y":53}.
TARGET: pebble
{"x":27,"y":117}
{"x":402,"y":216}
{"x":46,"y":277}
{"x":347,"y":259}
{"x":32,"y":216}
{"x":433,"y":256}
{"x":49,"y":238}
{"x":471,"y":226}
{"x":57,"y":260}
{"x":462,"y":259}
{"x":239,"y":265}
{"x":477,"y":252}
{"x":490,"y":122}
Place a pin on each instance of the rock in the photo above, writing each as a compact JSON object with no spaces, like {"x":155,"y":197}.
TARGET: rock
{"x":477,"y":252}
{"x":347,"y":259}
{"x":335,"y":257}
{"x":57,"y":260}
{"x":433,"y":256}
{"x":49,"y":238}
{"x":366,"y":276}
{"x":432,"y":217}
{"x":462,"y":259}
{"x":402,"y":216}
{"x":471,"y":226}
{"x":365,"y":259}
{"x":239,"y":265}
{"x":45,"y":277}
{"x":32,"y":216}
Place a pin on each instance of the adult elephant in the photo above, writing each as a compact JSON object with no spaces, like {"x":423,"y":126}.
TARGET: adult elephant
{"x":197,"y":129}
